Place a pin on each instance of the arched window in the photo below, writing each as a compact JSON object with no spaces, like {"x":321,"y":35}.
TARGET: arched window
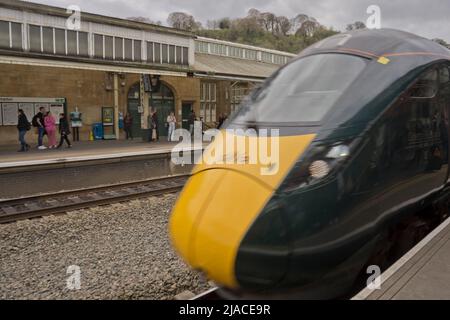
{"x":134,"y":91}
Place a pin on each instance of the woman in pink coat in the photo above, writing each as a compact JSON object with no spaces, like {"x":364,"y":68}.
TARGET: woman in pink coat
{"x":50,"y":128}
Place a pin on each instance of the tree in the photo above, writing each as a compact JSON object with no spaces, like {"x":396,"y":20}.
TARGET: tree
{"x":283,"y":25}
{"x":183,"y":21}
{"x":308,"y":28}
{"x":356,"y":26}
{"x":224,"y":23}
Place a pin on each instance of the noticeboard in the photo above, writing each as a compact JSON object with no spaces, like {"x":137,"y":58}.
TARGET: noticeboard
{"x":9,"y":108}
{"x":108,"y":123}
{"x":10,"y":114}
{"x":108,"y":116}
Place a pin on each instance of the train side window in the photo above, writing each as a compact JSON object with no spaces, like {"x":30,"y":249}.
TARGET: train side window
{"x":444,"y":75}
{"x":426,"y":87}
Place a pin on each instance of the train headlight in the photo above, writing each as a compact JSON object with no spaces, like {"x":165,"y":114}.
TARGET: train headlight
{"x":337,"y":152}
{"x":319,"y":169}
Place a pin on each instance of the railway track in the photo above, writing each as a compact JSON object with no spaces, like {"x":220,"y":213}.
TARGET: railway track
{"x":43,"y":205}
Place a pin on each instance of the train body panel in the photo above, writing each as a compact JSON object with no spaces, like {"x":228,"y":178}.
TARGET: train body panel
{"x":375,"y":107}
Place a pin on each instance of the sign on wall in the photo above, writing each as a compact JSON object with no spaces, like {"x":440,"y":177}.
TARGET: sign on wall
{"x":9,"y":114}
{"x":9,"y":108}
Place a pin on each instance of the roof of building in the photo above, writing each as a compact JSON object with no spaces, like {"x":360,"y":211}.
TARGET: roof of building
{"x":220,"y":65}
{"x":62,"y":12}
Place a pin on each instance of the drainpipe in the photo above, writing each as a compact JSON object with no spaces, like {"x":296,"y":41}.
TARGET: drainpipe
{"x":116,"y":106}
{"x":145,"y":109}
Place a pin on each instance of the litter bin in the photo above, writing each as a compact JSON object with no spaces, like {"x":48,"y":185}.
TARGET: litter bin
{"x":147,"y":135}
{"x":97,"y":129}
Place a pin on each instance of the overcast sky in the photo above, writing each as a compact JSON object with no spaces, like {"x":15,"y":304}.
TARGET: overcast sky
{"x":428,"y":18}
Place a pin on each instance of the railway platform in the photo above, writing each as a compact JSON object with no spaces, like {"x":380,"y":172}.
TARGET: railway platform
{"x":422,"y":274}
{"x":86,"y":165}
{"x":86,"y":150}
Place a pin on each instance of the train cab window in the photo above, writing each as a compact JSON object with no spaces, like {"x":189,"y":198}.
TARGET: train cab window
{"x":426,"y":87}
{"x":304,"y":91}
{"x":444,"y":75}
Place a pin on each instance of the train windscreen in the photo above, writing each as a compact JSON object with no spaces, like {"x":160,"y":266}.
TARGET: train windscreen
{"x":302,"y":92}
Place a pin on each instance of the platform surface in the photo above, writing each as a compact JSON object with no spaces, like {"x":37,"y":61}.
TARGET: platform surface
{"x":422,"y":274}
{"x":86,"y":150}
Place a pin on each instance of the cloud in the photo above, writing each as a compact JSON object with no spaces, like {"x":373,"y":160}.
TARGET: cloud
{"x":426,"y":18}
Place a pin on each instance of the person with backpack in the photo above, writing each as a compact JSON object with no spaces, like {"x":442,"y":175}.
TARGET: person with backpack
{"x":64,"y":131}
{"x":23,"y":126}
{"x":38,"y":122}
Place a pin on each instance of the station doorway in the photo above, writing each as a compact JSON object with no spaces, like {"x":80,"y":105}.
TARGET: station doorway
{"x":163,"y":101}
{"x":133,"y":109}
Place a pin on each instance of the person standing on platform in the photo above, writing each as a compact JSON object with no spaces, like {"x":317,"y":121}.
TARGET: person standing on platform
{"x":155,"y":134}
{"x":76,"y":123}
{"x":23,"y":126}
{"x":64,"y":131}
{"x":192,"y":118}
{"x":50,"y":128}
{"x":171,"y":120}
{"x":38,"y":122}
{"x":127,"y":126}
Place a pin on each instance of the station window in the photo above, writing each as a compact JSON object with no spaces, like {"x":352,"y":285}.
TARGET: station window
{"x":109,"y":47}
{"x":250,"y":54}
{"x":16,"y":35}
{"x":185,"y":56}
{"x":178,"y":55}
{"x":71,"y":43}
{"x":128,"y":49}
{"x":83,"y":44}
{"x":165,"y":53}
{"x":266,"y":57}
{"x":150,"y":52}
{"x":4,"y":34}
{"x":208,"y":101}
{"x":10,"y":35}
{"x":60,"y":41}
{"x":35,"y":38}
{"x":47,"y":36}
{"x":118,"y":48}
{"x":98,"y":46}
{"x":137,"y":50}
{"x":201,"y":47}
{"x":157,"y":52}
{"x":172,"y":54}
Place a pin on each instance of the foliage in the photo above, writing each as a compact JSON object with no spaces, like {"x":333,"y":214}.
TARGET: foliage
{"x":265,"y":29}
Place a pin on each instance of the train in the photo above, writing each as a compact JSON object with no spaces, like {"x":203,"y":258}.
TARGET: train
{"x":363,"y":122}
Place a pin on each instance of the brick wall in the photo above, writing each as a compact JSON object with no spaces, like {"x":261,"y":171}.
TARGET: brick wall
{"x":84,"y":89}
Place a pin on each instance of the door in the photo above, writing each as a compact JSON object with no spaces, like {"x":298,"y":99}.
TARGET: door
{"x":185,"y":113}
{"x":163,"y":102}
{"x":133,"y":110}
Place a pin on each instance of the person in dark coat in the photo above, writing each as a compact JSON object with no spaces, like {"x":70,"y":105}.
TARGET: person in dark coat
{"x":155,"y":126}
{"x":23,"y":126}
{"x":64,"y":131}
{"x":128,"y":125}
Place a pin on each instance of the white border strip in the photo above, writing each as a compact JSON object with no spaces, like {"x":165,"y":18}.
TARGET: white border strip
{"x":86,"y":66}
{"x":26,"y":163}
{"x":364,"y":294}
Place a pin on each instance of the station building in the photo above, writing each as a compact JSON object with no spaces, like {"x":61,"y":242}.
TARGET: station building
{"x":100,"y":68}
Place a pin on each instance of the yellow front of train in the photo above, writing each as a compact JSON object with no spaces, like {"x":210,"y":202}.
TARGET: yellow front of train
{"x":225,"y":195}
